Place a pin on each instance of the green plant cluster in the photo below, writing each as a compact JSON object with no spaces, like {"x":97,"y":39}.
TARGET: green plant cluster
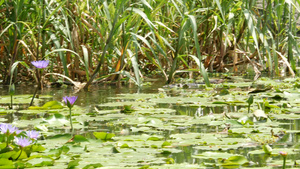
{"x":17,"y":145}
{"x":92,"y":41}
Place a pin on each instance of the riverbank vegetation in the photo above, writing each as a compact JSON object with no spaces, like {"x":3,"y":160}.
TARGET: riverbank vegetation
{"x":233,"y":122}
{"x":106,"y":40}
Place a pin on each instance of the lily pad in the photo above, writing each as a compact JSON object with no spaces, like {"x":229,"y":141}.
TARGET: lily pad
{"x":103,"y":135}
{"x":49,"y":105}
{"x":214,"y":155}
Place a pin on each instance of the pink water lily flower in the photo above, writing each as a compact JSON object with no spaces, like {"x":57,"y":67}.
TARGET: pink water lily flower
{"x":41,"y":64}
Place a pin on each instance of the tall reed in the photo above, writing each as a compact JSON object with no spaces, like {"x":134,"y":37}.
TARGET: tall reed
{"x":106,"y":40}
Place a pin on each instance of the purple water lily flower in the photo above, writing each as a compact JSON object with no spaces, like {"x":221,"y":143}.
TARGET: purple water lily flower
{"x":32,"y":134}
{"x":22,"y":141}
{"x":4,"y":128}
{"x":70,"y":100}
{"x":41,"y":64}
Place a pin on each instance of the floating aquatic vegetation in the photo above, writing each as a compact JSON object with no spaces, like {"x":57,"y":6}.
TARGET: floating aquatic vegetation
{"x":213,"y":130}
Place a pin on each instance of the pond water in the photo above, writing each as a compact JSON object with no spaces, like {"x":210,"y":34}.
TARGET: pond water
{"x":164,"y":127}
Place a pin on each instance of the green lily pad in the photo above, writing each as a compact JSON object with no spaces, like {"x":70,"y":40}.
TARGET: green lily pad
{"x":236,"y":160}
{"x":18,"y":99}
{"x":40,"y":161}
{"x":6,"y":163}
{"x":49,"y":105}
{"x":103,"y":135}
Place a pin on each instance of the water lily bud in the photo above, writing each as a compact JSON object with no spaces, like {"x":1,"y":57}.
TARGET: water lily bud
{"x":283,"y":153}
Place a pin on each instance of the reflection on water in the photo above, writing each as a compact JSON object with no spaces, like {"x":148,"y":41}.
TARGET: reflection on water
{"x":97,"y":94}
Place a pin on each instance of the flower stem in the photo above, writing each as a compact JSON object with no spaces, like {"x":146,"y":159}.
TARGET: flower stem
{"x":284,"y":159}
{"x":19,"y":154}
{"x":71,"y":122}
{"x":41,"y":79}
{"x":7,"y":138}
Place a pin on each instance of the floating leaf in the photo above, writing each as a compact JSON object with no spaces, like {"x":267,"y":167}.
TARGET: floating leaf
{"x":166,"y":144}
{"x":103,"y":135}
{"x":219,"y":102}
{"x":6,"y":163}
{"x":260,"y":114}
{"x":154,"y":138}
{"x":73,"y":164}
{"x":235,"y":161}
{"x":259,"y":90}
{"x":49,"y":105}
{"x":213,"y":155}
{"x":115,"y":150}
{"x":125,"y":146}
{"x":127,"y":109}
{"x":37,"y":148}
{"x":97,"y":165}
{"x":79,"y":138}
{"x":41,"y":161}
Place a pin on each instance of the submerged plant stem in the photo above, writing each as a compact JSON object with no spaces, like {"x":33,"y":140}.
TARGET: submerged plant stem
{"x":11,"y":102}
{"x":36,"y":89}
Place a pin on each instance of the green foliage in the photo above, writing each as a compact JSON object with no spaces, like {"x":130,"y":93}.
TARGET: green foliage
{"x":148,"y":37}
{"x":17,"y":146}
